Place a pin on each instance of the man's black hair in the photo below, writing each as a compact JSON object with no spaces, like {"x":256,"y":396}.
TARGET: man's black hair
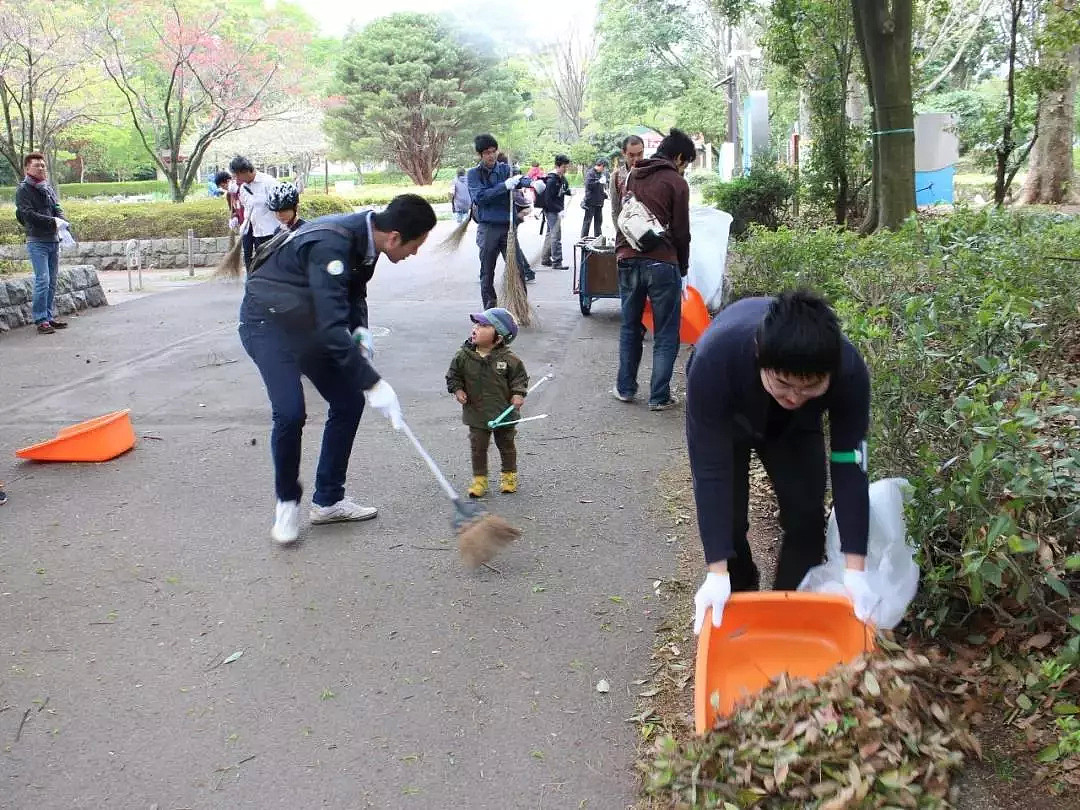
{"x":482,"y":143}
{"x":562,"y":160}
{"x":409,"y":214}
{"x":600,"y":162}
{"x":677,"y":144}
{"x":240,"y":164}
{"x":629,"y":139}
{"x":799,"y":335}
{"x":221,"y":177}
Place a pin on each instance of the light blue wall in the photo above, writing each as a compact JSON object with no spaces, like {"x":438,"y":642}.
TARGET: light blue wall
{"x":935,"y":187}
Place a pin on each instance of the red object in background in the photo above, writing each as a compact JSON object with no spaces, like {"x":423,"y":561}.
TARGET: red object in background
{"x":695,"y":317}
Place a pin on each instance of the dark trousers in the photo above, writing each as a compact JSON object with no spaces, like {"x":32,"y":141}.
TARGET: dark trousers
{"x":491,"y":239}
{"x":795,"y":462}
{"x":249,"y":244}
{"x":480,"y":439}
{"x":595,"y":215}
{"x":282,"y":358}
{"x":659,"y":282}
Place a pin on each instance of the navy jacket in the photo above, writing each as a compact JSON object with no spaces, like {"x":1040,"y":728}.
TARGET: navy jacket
{"x":316,"y":284}
{"x":595,"y":194}
{"x":489,"y":195}
{"x":36,"y":209}
{"x":727,"y":404}
{"x":556,"y":189}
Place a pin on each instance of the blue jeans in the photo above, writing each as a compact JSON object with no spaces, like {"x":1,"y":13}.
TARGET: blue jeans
{"x":45,"y":259}
{"x":491,"y":239}
{"x":281,"y":358}
{"x":641,"y":278}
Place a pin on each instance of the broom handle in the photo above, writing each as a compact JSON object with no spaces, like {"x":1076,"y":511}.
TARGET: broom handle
{"x":451,"y":493}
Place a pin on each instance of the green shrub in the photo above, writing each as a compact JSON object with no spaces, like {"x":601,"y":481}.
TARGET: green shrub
{"x":758,"y":198}
{"x":86,"y":191}
{"x":101,"y":221}
{"x":968,"y":325}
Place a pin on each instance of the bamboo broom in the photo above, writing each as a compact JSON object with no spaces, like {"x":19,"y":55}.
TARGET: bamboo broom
{"x":229,"y":266}
{"x":514,"y":295}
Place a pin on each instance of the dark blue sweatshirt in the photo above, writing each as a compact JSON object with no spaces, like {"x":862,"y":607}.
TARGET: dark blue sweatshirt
{"x":727,"y":404}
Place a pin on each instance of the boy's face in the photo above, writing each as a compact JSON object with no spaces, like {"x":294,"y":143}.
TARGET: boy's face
{"x":792,"y":391}
{"x":285,"y":217}
{"x":483,"y":336}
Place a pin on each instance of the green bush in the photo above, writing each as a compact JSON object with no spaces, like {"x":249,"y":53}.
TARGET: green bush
{"x":86,"y":191}
{"x":101,"y":221}
{"x":969,"y":326}
{"x":758,"y":198}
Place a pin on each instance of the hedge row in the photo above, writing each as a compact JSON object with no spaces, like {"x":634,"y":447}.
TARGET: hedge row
{"x":86,"y":191}
{"x":94,"y":222}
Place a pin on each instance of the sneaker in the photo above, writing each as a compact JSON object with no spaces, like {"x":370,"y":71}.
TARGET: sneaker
{"x":530,"y":278}
{"x":3,"y":497}
{"x":672,"y":401}
{"x":508,"y":482}
{"x":559,"y":267}
{"x":545,"y":264}
{"x":479,"y":486}
{"x":343,"y":510}
{"x":615,"y":393}
{"x":58,"y":324}
{"x":286,"y":522}
{"x":45,"y":328}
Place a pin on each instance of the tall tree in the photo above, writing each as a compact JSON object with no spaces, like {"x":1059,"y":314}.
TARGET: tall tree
{"x":566,"y":69}
{"x":408,"y":86}
{"x":190,"y":72}
{"x":883,"y":31}
{"x":1050,"y":171}
{"x":44,"y":77}
{"x":1009,"y":155}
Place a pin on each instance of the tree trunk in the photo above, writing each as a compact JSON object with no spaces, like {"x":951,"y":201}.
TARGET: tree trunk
{"x":1050,"y":172}
{"x":1007,"y":144}
{"x":883,"y":31}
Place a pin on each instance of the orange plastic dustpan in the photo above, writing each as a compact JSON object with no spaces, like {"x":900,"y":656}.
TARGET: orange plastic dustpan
{"x":695,"y":317}
{"x":764,"y":635}
{"x":99,"y":439}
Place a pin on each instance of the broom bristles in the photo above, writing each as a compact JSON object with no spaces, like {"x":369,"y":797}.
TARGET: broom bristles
{"x":453,"y":241}
{"x":485,"y":537}
{"x":515,"y":296}
{"x":229,"y":266}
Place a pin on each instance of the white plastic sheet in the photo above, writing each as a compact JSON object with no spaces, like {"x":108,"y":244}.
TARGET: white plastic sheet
{"x":67,"y":239}
{"x":890,"y":562}
{"x":709,"y":230}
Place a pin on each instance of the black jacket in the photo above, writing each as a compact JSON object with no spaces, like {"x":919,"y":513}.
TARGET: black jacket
{"x":36,"y":209}
{"x":594,"y":189}
{"x":556,"y":189}
{"x":316,"y":284}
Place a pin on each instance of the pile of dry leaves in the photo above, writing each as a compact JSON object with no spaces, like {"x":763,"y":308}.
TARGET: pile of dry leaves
{"x":883,"y":732}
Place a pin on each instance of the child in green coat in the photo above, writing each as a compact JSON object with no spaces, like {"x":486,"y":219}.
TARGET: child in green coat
{"x":486,"y":377}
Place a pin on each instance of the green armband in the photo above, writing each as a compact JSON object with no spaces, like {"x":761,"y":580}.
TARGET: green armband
{"x":856,"y":456}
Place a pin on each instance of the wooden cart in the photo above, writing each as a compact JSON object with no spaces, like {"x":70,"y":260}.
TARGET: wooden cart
{"x":596,"y":273}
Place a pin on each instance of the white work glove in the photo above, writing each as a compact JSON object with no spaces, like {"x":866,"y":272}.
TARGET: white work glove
{"x":713,"y":593}
{"x":382,"y":398}
{"x":512,"y":181}
{"x":365,"y":341}
{"x":863,"y":599}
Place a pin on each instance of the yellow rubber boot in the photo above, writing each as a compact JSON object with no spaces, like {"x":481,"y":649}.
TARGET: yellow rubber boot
{"x":479,"y":486}
{"x":508,"y":482}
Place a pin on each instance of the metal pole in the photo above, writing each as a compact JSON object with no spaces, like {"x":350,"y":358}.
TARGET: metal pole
{"x":191,"y":252}
{"x":733,"y":118}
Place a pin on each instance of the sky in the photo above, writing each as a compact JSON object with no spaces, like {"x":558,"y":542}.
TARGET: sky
{"x":537,"y":18}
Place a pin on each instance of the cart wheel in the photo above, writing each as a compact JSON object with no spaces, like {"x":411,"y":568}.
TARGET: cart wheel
{"x":586,"y":305}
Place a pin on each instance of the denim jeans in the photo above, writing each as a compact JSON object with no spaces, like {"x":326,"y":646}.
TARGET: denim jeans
{"x":641,"y":278}
{"x":45,"y":259}
{"x":552,"y":252}
{"x":491,"y":239}
{"x":281,"y":358}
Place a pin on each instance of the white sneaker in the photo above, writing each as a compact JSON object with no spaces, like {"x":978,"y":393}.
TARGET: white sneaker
{"x":286,"y":522}
{"x":343,"y":510}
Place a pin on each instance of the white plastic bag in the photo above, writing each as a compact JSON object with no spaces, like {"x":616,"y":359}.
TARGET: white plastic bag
{"x":890,"y":561}
{"x":709,"y":230}
{"x":67,"y":240}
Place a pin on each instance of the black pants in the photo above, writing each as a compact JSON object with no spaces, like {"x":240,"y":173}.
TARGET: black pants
{"x":795,"y":462}
{"x":480,"y":440}
{"x":250,"y":244}
{"x":491,"y":239}
{"x":594,"y":214}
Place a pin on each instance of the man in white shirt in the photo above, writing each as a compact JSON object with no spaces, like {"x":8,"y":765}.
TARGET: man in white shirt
{"x":260,"y":223}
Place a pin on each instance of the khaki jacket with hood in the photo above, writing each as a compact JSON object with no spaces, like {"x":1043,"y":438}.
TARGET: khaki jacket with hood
{"x":657,"y":183}
{"x":488,"y":382}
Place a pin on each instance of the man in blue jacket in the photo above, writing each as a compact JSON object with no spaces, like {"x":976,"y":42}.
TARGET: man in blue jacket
{"x":761,"y":378}
{"x":490,"y":186}
{"x":305,"y":304}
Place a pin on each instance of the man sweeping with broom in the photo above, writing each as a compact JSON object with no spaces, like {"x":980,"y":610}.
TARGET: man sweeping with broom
{"x":490,"y":185}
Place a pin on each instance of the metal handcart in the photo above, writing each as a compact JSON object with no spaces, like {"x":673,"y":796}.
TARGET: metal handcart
{"x":596,"y":273}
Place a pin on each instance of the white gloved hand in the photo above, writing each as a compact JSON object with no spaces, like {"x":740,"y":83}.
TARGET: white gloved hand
{"x":512,"y":181}
{"x":234,"y":224}
{"x":863,"y":599}
{"x":713,"y":593}
{"x":383,"y":398}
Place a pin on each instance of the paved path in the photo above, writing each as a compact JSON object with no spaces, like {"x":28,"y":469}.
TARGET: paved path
{"x":376,"y":672}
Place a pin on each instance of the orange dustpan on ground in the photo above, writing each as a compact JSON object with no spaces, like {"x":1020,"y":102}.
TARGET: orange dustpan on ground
{"x":99,"y":439}
{"x":695,"y":317}
{"x":766,"y":634}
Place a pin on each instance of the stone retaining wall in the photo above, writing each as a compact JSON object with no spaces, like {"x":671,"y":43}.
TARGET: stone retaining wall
{"x":156,"y":253}
{"x":76,"y":288}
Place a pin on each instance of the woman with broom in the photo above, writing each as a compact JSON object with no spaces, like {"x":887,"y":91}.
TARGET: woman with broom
{"x":304,"y":301}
